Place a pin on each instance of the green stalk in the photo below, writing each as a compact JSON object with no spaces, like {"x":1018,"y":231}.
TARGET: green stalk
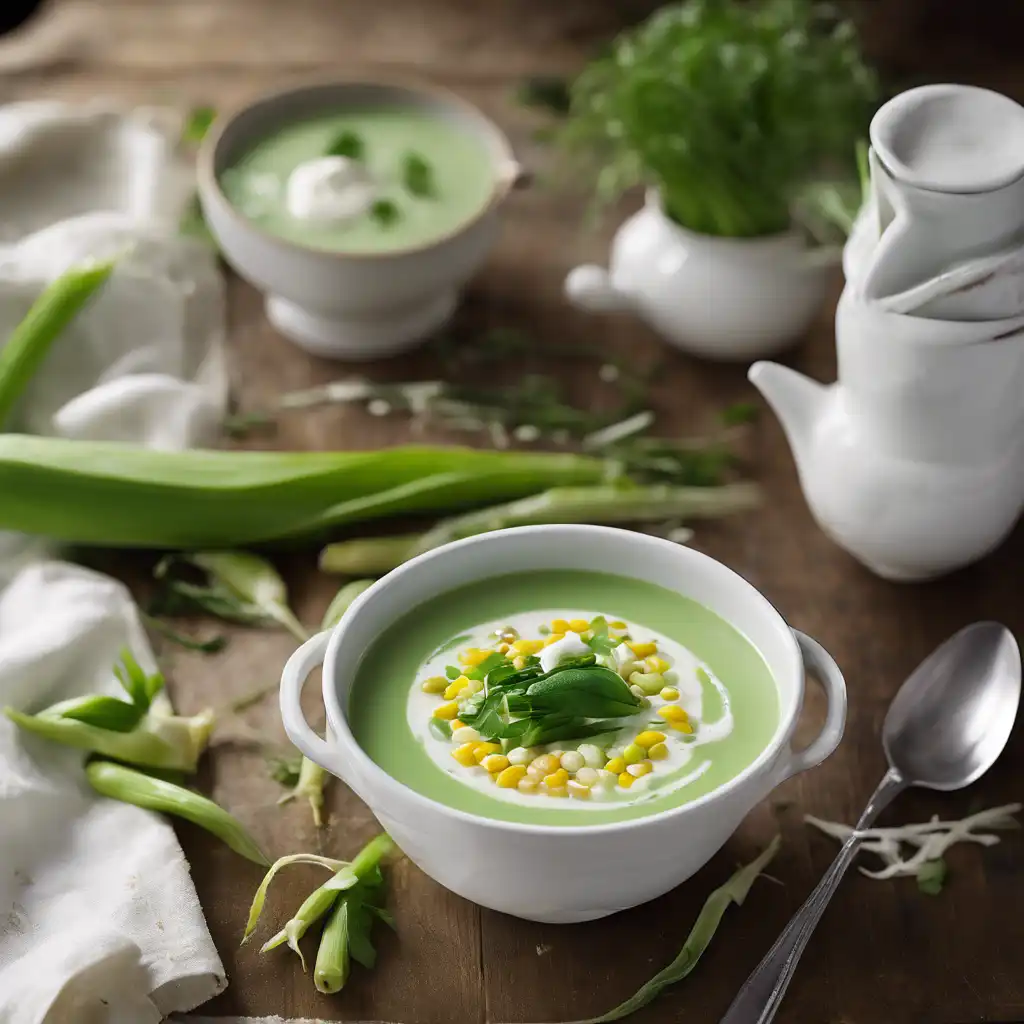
{"x":132,"y":787}
{"x":343,"y":601}
{"x":607,"y":504}
{"x":27,"y":348}
{"x":116,"y":495}
{"x":332,"y":956}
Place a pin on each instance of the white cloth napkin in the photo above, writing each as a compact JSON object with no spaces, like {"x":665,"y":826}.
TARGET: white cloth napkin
{"x":99,"y":919}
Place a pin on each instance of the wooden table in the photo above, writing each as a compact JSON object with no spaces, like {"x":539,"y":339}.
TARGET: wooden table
{"x":885,"y":952}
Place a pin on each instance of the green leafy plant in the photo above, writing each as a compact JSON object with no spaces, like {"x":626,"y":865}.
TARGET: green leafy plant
{"x":347,"y":143}
{"x":729,"y":108}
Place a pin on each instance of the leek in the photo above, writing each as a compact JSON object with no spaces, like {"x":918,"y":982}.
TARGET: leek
{"x":116,"y":495}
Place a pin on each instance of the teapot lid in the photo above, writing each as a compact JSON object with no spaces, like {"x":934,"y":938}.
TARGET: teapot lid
{"x":951,"y":138}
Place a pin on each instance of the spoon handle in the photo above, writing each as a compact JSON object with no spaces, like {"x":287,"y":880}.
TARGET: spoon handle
{"x":759,"y":998}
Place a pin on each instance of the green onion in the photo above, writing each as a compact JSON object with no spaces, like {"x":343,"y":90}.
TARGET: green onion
{"x":112,"y":495}
{"x":133,"y":787}
{"x":283,"y":862}
{"x":607,"y":504}
{"x":734,"y":891}
{"x":197,"y":125}
{"x":26,"y":349}
{"x":332,"y":956}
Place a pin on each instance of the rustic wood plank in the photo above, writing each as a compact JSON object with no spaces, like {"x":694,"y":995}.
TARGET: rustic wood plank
{"x":884,"y":951}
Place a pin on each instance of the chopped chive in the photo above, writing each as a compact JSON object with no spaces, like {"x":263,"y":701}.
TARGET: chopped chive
{"x":418,"y":176}
{"x":198,"y":122}
{"x":347,"y":143}
{"x":384,"y":212}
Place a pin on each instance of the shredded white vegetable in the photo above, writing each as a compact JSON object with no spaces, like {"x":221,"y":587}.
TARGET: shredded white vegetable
{"x":931,"y":838}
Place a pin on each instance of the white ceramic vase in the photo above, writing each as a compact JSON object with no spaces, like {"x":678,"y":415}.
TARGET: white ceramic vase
{"x":720,"y":298}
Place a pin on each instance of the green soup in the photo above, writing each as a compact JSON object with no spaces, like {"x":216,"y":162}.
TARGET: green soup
{"x":709,"y":703}
{"x":423,"y":177}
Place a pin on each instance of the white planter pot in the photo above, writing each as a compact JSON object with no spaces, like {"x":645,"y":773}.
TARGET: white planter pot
{"x":560,"y":873}
{"x":721,"y":298}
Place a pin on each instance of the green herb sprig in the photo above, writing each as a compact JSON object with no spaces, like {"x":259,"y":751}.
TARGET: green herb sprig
{"x":347,"y":143}
{"x":418,"y":177}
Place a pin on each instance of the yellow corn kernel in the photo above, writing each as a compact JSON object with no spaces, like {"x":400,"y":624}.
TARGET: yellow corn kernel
{"x":617,"y":765}
{"x":643,"y":650}
{"x":579,"y":625}
{"x":560,"y":626}
{"x":556,"y":779}
{"x":510,"y":777}
{"x":482,"y":750}
{"x":435,"y":684}
{"x":658,"y":752}
{"x":494,"y":763}
{"x":464,"y":754}
{"x":527,"y":646}
{"x":656,"y":664}
{"x":455,"y":687}
{"x":503,"y":648}
{"x":683,"y":727}
{"x":554,"y":638}
{"x":669,"y":693}
{"x":558,"y":791}
{"x":473,"y":656}
{"x":649,"y":737}
{"x":634,"y":753}
{"x":456,"y":724}
{"x":519,"y":662}
{"x":618,"y":624}
{"x":577,"y":790}
{"x":640,"y":769}
{"x":526,"y":785}
{"x":626,"y":780}
{"x":546,"y":763}
{"x":448,"y":711}
{"x":673,"y":714}
{"x":473,"y":686}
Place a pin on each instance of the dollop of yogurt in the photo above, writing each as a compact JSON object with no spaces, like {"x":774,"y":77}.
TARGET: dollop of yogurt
{"x":330,"y":190}
{"x":570,"y":646}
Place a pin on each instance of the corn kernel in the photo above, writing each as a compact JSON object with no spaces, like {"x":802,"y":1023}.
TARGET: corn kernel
{"x":559,"y":625}
{"x":558,"y":791}
{"x":435,"y":684}
{"x":587,"y":777}
{"x":503,"y":648}
{"x":527,"y":646}
{"x":455,"y":687}
{"x":578,"y":790}
{"x":510,"y":777}
{"x":494,"y":763}
{"x":658,"y":752}
{"x":535,"y":773}
{"x":618,"y":624}
{"x":464,"y":754}
{"x":634,"y":753}
{"x":669,"y":693}
{"x":656,"y":664}
{"x":556,"y":779}
{"x":519,"y":755}
{"x":467,"y":734}
{"x":625,"y":780}
{"x":483,"y":750}
{"x":684,"y":727}
{"x":606,"y":779}
{"x":572,"y":761}
{"x":547,"y":763}
{"x":519,"y":662}
{"x":456,"y":724}
{"x":643,"y":650}
{"x":579,"y":625}
{"x":553,"y":639}
{"x":673,"y":714}
{"x":637,"y":691}
{"x":617,"y":765}
{"x":651,"y":683}
{"x":649,"y":737}
{"x":641,"y":768}
{"x":527,"y":785}
{"x":593,"y":755}
{"x":473,"y":656}
{"x":448,"y":711}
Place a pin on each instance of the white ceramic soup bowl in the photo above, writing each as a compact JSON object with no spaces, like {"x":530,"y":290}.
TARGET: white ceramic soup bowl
{"x":351,"y":305}
{"x":575,"y":872}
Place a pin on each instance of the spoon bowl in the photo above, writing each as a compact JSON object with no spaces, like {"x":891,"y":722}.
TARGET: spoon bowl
{"x":952,"y":717}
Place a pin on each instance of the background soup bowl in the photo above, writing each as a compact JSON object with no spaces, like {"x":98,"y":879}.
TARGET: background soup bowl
{"x":561,"y":873}
{"x":352,"y":305}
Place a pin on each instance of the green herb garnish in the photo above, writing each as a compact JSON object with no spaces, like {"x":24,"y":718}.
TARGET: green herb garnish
{"x":197,"y":123}
{"x":347,"y":143}
{"x":931,"y":876}
{"x":385,"y":212}
{"x":418,"y":176}
{"x":441,"y":729}
{"x":285,"y":770}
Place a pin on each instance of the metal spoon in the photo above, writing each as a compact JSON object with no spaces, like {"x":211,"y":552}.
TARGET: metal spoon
{"x":944,"y":730}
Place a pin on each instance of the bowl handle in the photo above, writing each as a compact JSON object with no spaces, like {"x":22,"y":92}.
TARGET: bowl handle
{"x":590,"y":288}
{"x":815,"y":657}
{"x":308,"y":657}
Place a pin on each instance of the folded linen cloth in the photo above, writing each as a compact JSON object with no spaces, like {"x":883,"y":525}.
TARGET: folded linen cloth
{"x":99,"y":919}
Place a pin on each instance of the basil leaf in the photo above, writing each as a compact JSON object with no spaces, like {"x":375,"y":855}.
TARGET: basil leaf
{"x":493,"y":661}
{"x":591,"y":692}
{"x":486,"y":714}
{"x":556,"y":727}
{"x":452,"y":672}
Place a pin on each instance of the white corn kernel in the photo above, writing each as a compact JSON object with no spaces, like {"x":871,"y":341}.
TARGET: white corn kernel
{"x":606,"y":779}
{"x":572,"y":761}
{"x":577,"y":790}
{"x":644,"y":782}
{"x":587,"y":776}
{"x":519,"y":755}
{"x":637,"y":691}
{"x":593,"y":755}
{"x":465,"y":735}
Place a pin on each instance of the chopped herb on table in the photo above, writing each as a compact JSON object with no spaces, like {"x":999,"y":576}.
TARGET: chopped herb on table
{"x":418,"y":177}
{"x":197,"y":124}
{"x":347,"y":143}
{"x":385,"y":212}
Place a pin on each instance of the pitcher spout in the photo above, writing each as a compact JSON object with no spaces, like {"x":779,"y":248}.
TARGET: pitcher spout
{"x":797,"y":400}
